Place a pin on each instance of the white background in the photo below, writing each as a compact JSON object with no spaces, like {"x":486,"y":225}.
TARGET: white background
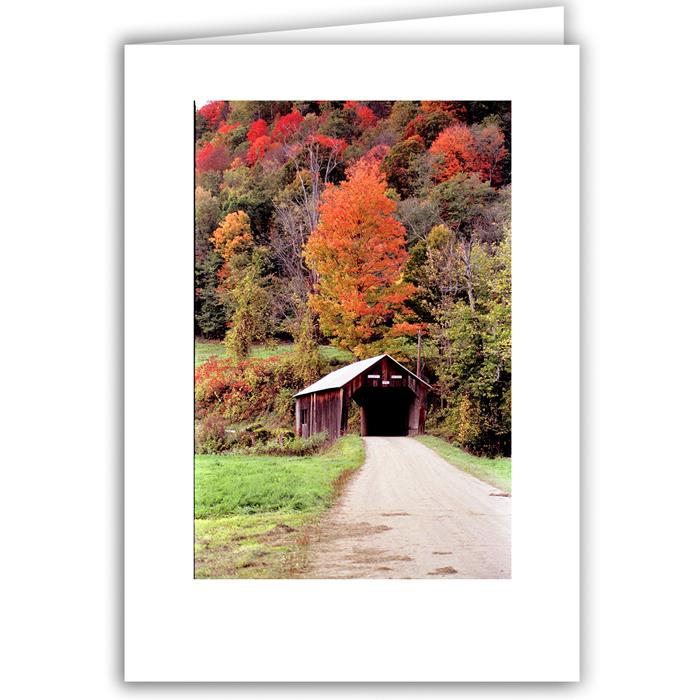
{"x":522,"y":629}
{"x":61,"y":226}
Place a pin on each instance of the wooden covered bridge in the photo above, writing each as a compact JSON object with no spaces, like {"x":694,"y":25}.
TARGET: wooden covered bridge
{"x":392,"y":400}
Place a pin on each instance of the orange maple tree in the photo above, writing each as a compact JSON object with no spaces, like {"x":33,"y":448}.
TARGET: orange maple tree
{"x":233,"y":236}
{"x":357,"y":252}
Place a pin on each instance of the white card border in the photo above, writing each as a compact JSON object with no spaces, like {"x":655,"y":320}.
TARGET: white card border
{"x":177,"y":628}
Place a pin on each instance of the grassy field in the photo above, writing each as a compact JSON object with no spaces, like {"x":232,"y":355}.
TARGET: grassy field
{"x":493,"y":471}
{"x":250,"y":509}
{"x":203,"y":350}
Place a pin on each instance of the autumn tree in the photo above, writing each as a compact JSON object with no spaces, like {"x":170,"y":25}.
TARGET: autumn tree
{"x":461,"y":149}
{"x":244,"y":283}
{"x":357,"y":251}
{"x":233,"y":240}
{"x":366,"y":117}
{"x":315,"y":158}
{"x":354,"y":222}
{"x":459,"y":110}
{"x":259,"y":141}
{"x":287,"y":126}
{"x":213,"y":156}
{"x":455,"y":151}
{"x":428,"y":125}
{"x":214,"y":113}
{"x":491,"y":152}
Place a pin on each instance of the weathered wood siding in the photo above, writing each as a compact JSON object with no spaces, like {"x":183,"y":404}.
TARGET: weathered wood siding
{"x":318,"y":412}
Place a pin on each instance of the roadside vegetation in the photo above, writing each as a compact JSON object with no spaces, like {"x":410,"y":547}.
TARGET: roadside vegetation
{"x":493,"y":471}
{"x":251,"y":509}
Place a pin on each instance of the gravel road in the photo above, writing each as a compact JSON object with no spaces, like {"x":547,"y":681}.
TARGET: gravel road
{"x":408,"y":513}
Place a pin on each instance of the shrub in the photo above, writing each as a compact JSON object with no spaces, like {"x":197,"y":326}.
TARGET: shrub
{"x":292,"y":446}
{"x":284,"y":404}
{"x":353,"y":418}
{"x":252,"y":389}
{"x":239,"y":391}
{"x":210,"y":436}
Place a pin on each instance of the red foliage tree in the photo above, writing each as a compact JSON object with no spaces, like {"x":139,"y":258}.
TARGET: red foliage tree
{"x":459,"y":110}
{"x":287,"y":126}
{"x":259,"y":141}
{"x":213,"y":156}
{"x":214,"y":112}
{"x":377,"y":153}
{"x":366,"y":117}
{"x":490,"y":150}
{"x":257,"y":149}
{"x":226,"y":128}
{"x":257,"y":129}
{"x":456,"y":152}
{"x":334,"y":145}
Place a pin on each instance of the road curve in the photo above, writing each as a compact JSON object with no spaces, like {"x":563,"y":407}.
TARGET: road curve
{"x":408,"y":513}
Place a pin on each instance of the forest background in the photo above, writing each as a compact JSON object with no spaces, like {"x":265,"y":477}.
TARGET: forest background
{"x":327,"y":232}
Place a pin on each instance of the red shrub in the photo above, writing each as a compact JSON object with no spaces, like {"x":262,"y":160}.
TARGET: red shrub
{"x":238,"y":391}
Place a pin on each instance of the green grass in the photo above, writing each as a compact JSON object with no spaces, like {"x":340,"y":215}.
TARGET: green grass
{"x":249,"y":509}
{"x":493,"y":471}
{"x":204,"y":349}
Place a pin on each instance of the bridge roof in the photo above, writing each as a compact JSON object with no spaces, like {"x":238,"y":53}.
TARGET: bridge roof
{"x":340,"y":377}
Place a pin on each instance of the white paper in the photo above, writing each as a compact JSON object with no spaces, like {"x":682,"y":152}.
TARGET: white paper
{"x":182,"y":629}
{"x":534,"y":26}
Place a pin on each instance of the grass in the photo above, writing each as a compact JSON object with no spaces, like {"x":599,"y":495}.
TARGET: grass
{"x":204,"y":349}
{"x":493,"y":471}
{"x":250,"y":510}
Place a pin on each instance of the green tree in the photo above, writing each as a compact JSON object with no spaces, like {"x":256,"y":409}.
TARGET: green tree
{"x":479,"y":375}
{"x":251,"y":317}
{"x":403,"y":166}
{"x":206,"y":217}
{"x":464,"y":202}
{"x":307,"y":361}
{"x":210,"y":310}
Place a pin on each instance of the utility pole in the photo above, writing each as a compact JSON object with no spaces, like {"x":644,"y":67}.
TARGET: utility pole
{"x":418,"y":358}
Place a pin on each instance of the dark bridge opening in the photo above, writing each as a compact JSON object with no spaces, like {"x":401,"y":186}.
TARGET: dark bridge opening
{"x":385,"y":410}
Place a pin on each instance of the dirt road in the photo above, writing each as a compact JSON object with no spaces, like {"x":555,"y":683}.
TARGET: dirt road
{"x":409,"y":514}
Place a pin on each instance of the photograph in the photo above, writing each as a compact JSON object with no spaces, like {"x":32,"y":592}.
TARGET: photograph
{"x":352,"y":339}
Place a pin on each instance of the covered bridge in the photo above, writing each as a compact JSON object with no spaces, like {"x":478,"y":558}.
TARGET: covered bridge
{"x":391,"y":398}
